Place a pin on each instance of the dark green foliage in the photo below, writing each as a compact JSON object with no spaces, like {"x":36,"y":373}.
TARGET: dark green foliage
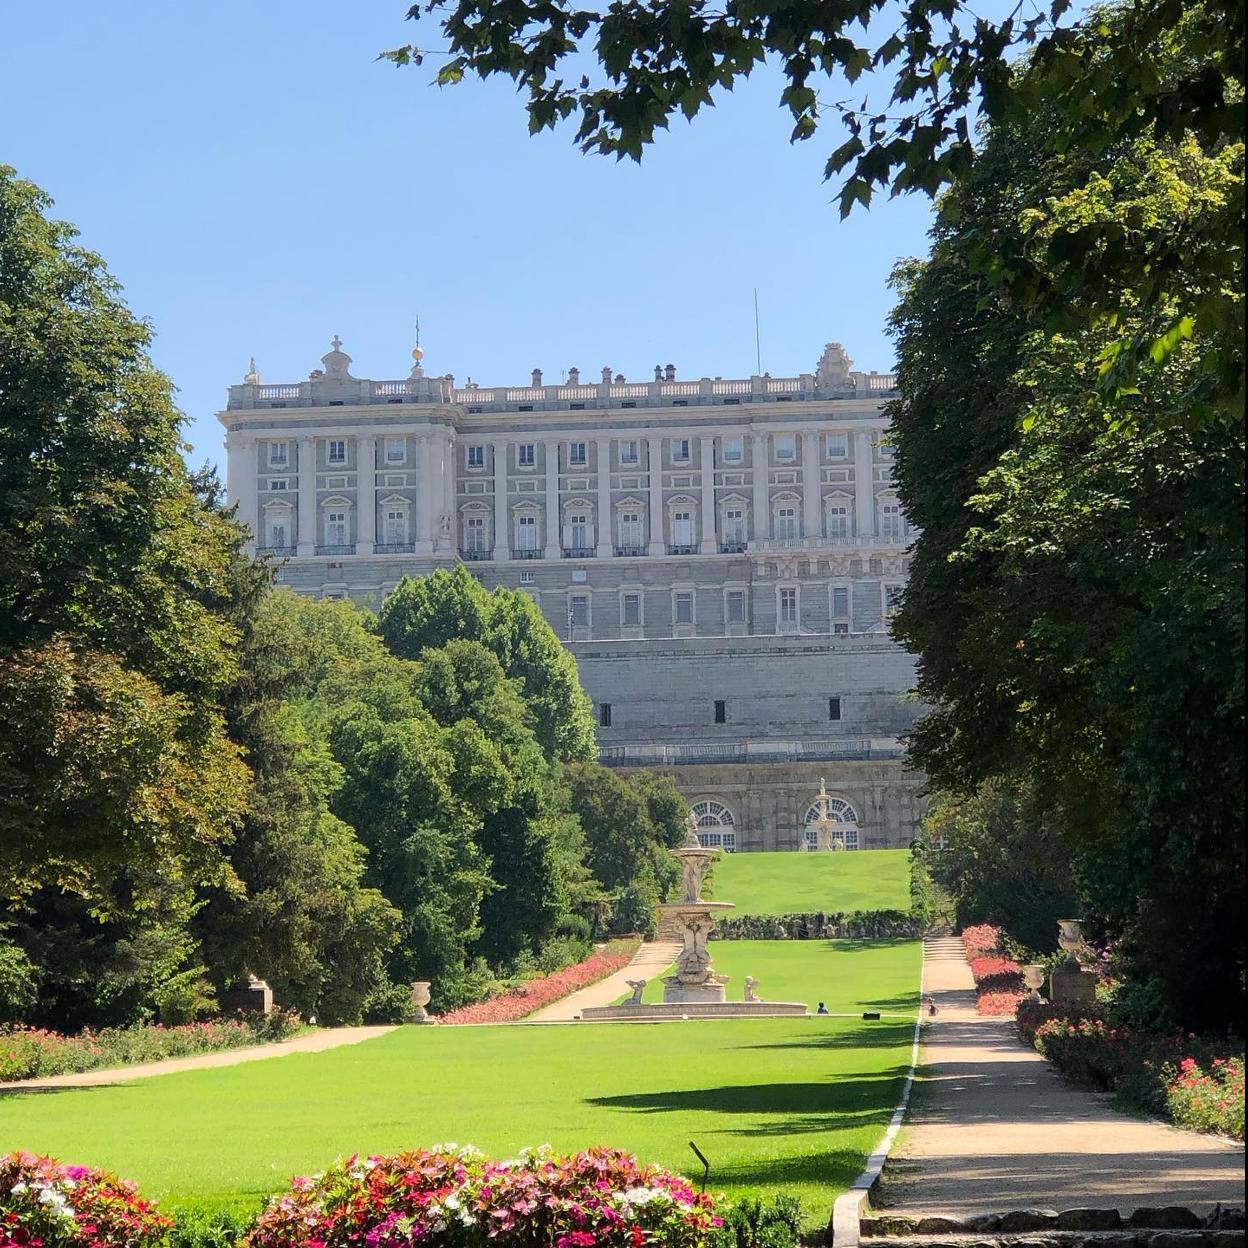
{"x":1075,"y":596}
{"x":761,"y":1222}
{"x":818,"y":925}
{"x":19,"y":983}
{"x":922,"y":890}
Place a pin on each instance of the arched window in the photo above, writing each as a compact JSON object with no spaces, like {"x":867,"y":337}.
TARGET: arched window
{"x":716,"y":826}
{"x":833,"y":816}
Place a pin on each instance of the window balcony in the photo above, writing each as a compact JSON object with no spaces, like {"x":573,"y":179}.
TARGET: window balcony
{"x":629,"y":552}
{"x":344,"y":549}
{"x":682,"y":549}
{"x":734,"y":547}
{"x":527,"y":552}
{"x":395,"y":548}
{"x":476,"y":556}
{"x":579,"y":552}
{"x":278,"y":551}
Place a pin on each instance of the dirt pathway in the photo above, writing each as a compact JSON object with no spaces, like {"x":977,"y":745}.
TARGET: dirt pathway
{"x":651,"y":959}
{"x":312,"y":1042}
{"x":993,"y":1126}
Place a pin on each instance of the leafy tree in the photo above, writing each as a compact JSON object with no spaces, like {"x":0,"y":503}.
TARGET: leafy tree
{"x":1075,"y":595}
{"x":447,"y":606}
{"x":1148,"y":67}
{"x":1004,"y":861}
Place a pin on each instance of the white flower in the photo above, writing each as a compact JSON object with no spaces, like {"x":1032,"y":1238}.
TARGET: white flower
{"x":18,"y":1188}
{"x":643,"y":1195}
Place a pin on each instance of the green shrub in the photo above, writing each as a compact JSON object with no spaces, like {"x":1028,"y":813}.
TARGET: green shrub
{"x":206,"y":1228}
{"x":758,"y":1222}
{"x":19,"y":984}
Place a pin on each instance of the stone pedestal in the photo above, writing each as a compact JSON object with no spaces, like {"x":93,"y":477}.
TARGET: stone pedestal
{"x":251,"y":996}
{"x":709,"y":992}
{"x":1070,"y":985}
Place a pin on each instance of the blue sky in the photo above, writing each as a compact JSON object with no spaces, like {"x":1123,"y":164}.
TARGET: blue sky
{"x":259,"y":182}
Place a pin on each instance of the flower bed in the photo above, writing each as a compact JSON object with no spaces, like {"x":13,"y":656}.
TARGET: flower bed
{"x":816,"y":925}
{"x":527,"y":998}
{"x":44,"y":1204}
{"x":32,"y":1052}
{"x":1210,"y":1100}
{"x":453,"y":1196}
{"x":998,"y":979}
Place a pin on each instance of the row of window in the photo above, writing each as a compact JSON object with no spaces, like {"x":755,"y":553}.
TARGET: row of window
{"x":830,"y":823}
{"x":731,"y":451}
{"x":719,"y":711}
{"x":736,"y":606}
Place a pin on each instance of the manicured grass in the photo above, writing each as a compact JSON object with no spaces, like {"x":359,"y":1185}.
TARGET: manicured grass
{"x":795,"y":883}
{"x":774,"y":1103}
{"x":848,"y":976}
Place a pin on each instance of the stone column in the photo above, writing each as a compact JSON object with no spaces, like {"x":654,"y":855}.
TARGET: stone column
{"x":709,"y":519}
{"x":242,"y":485}
{"x":449,"y":493}
{"x":307,"y":498}
{"x":426,"y":520}
{"x":554,"y":522}
{"x":864,"y":484}
{"x":603,"y":519}
{"x":812,"y":525}
{"x":654,"y":463}
{"x":760,"y":469}
{"x":502,"y":539}
{"x":366,"y":493}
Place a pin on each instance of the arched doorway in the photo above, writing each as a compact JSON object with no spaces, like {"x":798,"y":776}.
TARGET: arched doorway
{"x":716,"y":827}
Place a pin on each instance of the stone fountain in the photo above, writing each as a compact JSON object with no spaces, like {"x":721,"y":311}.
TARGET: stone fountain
{"x":695,"y":991}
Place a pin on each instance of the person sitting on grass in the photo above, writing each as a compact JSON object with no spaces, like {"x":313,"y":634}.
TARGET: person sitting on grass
{"x":823,"y":1009}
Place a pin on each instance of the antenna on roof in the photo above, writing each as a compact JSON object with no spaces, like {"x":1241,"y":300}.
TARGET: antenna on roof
{"x":758,"y":350}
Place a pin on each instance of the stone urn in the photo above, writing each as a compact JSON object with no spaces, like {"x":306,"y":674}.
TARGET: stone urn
{"x":1033,"y":978}
{"x":1070,"y":937}
{"x":420,"y":998}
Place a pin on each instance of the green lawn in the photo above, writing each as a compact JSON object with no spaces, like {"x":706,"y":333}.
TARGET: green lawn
{"x":848,"y":976}
{"x":775,"y":1103}
{"x":794,"y":883}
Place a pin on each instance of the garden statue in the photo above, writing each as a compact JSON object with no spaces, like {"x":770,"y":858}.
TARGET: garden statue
{"x":419,"y":999}
{"x":750,"y":985}
{"x":1033,"y":977}
{"x":638,"y":986}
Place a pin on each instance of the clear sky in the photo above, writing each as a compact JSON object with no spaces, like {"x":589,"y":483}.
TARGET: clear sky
{"x":259,"y":182}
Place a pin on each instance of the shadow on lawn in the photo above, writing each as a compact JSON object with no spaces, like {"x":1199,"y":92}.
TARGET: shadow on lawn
{"x":837,"y":1168}
{"x":885,"y":1033}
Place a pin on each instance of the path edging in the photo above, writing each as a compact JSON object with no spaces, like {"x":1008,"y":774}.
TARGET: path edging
{"x":846,"y":1222}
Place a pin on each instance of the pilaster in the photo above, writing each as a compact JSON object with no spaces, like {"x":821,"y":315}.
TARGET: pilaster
{"x":706,"y":457}
{"x":426,"y":482}
{"x":759,"y":470}
{"x":306,"y":547}
{"x":812,"y":523}
{"x":501,"y":526}
{"x":864,"y":484}
{"x":553,"y":521}
{"x":366,"y":493}
{"x":654,"y":482}
{"x":602,"y":451}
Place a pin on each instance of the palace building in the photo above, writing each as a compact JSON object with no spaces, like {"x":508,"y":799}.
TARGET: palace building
{"x":721,"y":557}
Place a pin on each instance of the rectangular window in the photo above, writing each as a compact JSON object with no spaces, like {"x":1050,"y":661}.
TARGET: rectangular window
{"x":630,"y":610}
{"x":278,"y":483}
{"x":734,"y":450}
{"x":838,"y":519}
{"x":734,"y":525}
{"x":578,"y":610}
{"x":277,"y":534}
{"x":278,"y":453}
{"x":788,"y":606}
{"x":786,"y":447}
{"x":840,"y":630}
{"x":721,"y":712}
{"x":474,"y":532}
{"x":526,"y":455}
{"x":834,"y":708}
{"x":526,"y":532}
{"x":476,"y":457}
{"x":335,"y":528}
{"x":734,"y":606}
{"x":682,"y":608}
{"x":576,"y":453}
{"x":840,"y":602}
{"x":892,"y":598}
{"x":680,"y":450}
{"x":786,"y":524}
{"x":630,"y":529}
{"x":337,"y":451}
{"x":629,"y":452}
{"x":838,"y":446}
{"x":396,"y":526}
{"x":578,"y":531}
{"x":682,"y":528}
{"x":396,"y":450}
{"x":604,"y":714}
{"x":528,"y":578}
{"x":890,"y":520}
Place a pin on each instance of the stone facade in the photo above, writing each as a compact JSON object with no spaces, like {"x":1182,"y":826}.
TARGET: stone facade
{"x":720,"y":556}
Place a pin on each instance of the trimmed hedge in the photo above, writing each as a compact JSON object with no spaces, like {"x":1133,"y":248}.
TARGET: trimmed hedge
{"x":856,"y":925}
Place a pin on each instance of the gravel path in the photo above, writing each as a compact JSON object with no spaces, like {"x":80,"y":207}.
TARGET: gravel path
{"x":993,"y":1126}
{"x":651,"y":959}
{"x":311,"y":1042}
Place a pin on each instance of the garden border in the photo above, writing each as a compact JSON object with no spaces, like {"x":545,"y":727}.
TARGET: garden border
{"x":846,"y":1221}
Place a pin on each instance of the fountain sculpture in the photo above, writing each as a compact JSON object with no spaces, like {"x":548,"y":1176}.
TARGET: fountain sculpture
{"x":695,"y":990}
